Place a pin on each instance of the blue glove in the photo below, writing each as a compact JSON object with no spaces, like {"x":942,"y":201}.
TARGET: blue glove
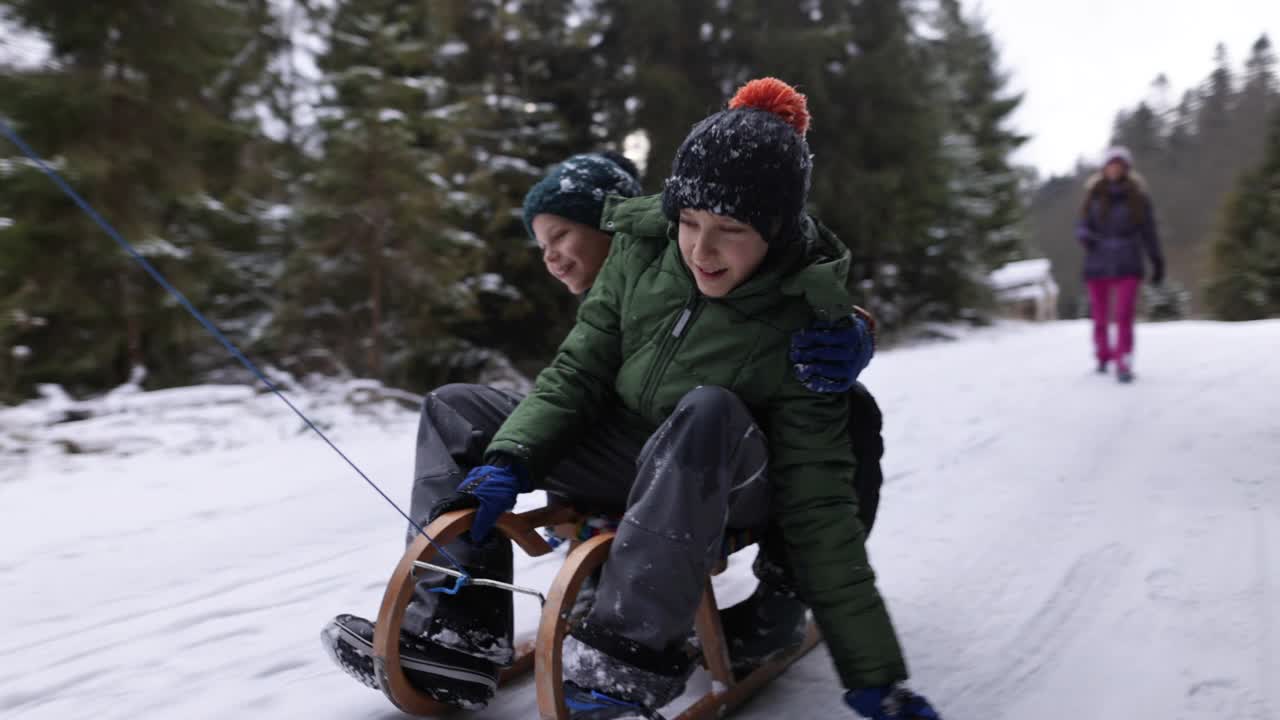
{"x":494,"y":488}
{"x":827,"y":357}
{"x":893,"y":702}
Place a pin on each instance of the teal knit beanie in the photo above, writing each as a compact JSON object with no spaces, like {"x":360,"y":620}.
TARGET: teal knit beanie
{"x":576,"y":188}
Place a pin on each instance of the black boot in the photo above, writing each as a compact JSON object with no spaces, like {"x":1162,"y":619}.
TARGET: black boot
{"x":770,"y":623}
{"x":446,"y":675}
{"x":586,"y":598}
{"x":607,"y":676}
{"x":478,"y":621}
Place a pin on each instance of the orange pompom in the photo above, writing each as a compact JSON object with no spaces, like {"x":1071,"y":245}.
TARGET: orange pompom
{"x":778,"y":98}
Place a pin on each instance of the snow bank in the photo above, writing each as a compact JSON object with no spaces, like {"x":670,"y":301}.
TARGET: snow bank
{"x":184,"y":421}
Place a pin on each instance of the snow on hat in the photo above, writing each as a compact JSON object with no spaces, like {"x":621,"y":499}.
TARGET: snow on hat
{"x":576,"y":188}
{"x":749,"y":162}
{"x":1118,"y":152}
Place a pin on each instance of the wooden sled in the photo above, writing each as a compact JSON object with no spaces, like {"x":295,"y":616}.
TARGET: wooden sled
{"x":542,"y":654}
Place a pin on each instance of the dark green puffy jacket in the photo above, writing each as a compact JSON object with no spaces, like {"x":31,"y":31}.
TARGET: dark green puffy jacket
{"x":645,"y":337}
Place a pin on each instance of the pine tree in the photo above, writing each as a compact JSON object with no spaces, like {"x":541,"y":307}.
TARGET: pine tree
{"x":1217,"y":95}
{"x":1143,"y":132}
{"x":988,"y":189}
{"x":133,"y":108}
{"x":1257,"y":97}
{"x":414,"y":258}
{"x":882,"y":180}
{"x":508,"y":103}
{"x":248,"y":213}
{"x":1245,"y":276}
{"x":658,"y":67}
{"x":376,"y":260}
{"x":1170,"y":301}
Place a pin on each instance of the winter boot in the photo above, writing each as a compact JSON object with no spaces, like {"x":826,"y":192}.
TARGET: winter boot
{"x":478,"y":621}
{"x":1123,"y":372}
{"x":770,"y":623}
{"x":894,"y":702}
{"x":608,"y":676}
{"x":584,"y":704}
{"x":1102,"y":366}
{"x":446,"y":675}
{"x":586,"y":597}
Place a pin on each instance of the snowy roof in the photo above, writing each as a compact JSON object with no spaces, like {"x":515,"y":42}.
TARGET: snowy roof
{"x":1038,"y":291}
{"x":1022,"y":272}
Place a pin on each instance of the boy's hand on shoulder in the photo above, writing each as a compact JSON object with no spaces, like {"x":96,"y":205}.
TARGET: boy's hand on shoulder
{"x":827,"y":357}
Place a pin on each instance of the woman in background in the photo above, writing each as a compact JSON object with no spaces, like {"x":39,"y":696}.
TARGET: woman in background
{"x":1117,"y":225}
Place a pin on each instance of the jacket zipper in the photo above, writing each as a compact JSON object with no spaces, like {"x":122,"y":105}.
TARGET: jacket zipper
{"x":667,"y":350}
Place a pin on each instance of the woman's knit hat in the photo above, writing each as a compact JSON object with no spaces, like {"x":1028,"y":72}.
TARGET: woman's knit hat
{"x":749,"y":162}
{"x":1118,"y":153}
{"x":576,"y":188}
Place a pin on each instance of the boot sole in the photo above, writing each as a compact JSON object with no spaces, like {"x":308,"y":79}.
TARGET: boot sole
{"x":354,"y":654}
{"x":339,"y":646}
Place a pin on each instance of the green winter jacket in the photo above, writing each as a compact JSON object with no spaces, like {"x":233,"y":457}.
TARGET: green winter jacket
{"x":645,"y":337}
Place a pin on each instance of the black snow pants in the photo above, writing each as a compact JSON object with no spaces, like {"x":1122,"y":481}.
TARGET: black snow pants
{"x":702,"y":472}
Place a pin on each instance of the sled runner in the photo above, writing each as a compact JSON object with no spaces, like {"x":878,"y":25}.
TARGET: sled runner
{"x":542,"y":653}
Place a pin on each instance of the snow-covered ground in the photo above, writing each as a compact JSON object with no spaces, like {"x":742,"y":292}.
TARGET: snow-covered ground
{"x":1051,"y":544}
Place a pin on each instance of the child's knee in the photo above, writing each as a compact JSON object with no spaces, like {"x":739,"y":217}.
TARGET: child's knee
{"x":463,"y":399}
{"x":454,"y":394}
{"x":711,"y":401}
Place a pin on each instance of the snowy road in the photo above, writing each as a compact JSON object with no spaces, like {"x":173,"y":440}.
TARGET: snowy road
{"x":1051,"y":544}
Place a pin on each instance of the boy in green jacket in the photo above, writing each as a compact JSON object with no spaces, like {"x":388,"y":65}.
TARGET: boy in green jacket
{"x":673,"y":399}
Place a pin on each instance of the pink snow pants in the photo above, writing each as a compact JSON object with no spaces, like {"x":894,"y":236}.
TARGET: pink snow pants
{"x":1126,"y":298}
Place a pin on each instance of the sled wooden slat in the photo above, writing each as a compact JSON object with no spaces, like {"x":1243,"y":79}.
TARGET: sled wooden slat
{"x":715,"y":651}
{"x":554,"y":625}
{"x":523,"y":528}
{"x":523,"y":531}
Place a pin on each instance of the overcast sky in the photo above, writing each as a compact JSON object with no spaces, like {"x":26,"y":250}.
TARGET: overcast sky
{"x":1079,"y":61}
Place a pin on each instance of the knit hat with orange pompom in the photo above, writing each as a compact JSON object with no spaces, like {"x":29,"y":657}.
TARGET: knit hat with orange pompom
{"x":749,"y":162}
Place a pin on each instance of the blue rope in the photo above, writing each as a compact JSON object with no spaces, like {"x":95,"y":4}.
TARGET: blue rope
{"x":444,"y":590}
{"x":231,"y":348}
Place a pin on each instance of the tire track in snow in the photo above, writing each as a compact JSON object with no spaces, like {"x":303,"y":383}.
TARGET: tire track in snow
{"x":1268,"y":670}
{"x":51,"y":691}
{"x":195,"y":596}
{"x":1086,"y":586}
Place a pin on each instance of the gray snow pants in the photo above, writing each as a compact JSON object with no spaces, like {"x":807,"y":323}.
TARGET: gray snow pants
{"x":700,"y":473}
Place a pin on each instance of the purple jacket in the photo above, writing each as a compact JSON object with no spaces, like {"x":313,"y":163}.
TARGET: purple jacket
{"x":1114,"y":239}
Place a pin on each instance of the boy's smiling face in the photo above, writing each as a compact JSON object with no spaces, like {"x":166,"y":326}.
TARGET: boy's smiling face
{"x":572,"y":252}
{"x":719,"y":251}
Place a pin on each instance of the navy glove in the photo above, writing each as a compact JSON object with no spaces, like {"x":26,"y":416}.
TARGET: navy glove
{"x":494,"y":489}
{"x":1086,"y":236}
{"x":893,"y":702}
{"x":828,"y":357}
{"x":1157,"y":275}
